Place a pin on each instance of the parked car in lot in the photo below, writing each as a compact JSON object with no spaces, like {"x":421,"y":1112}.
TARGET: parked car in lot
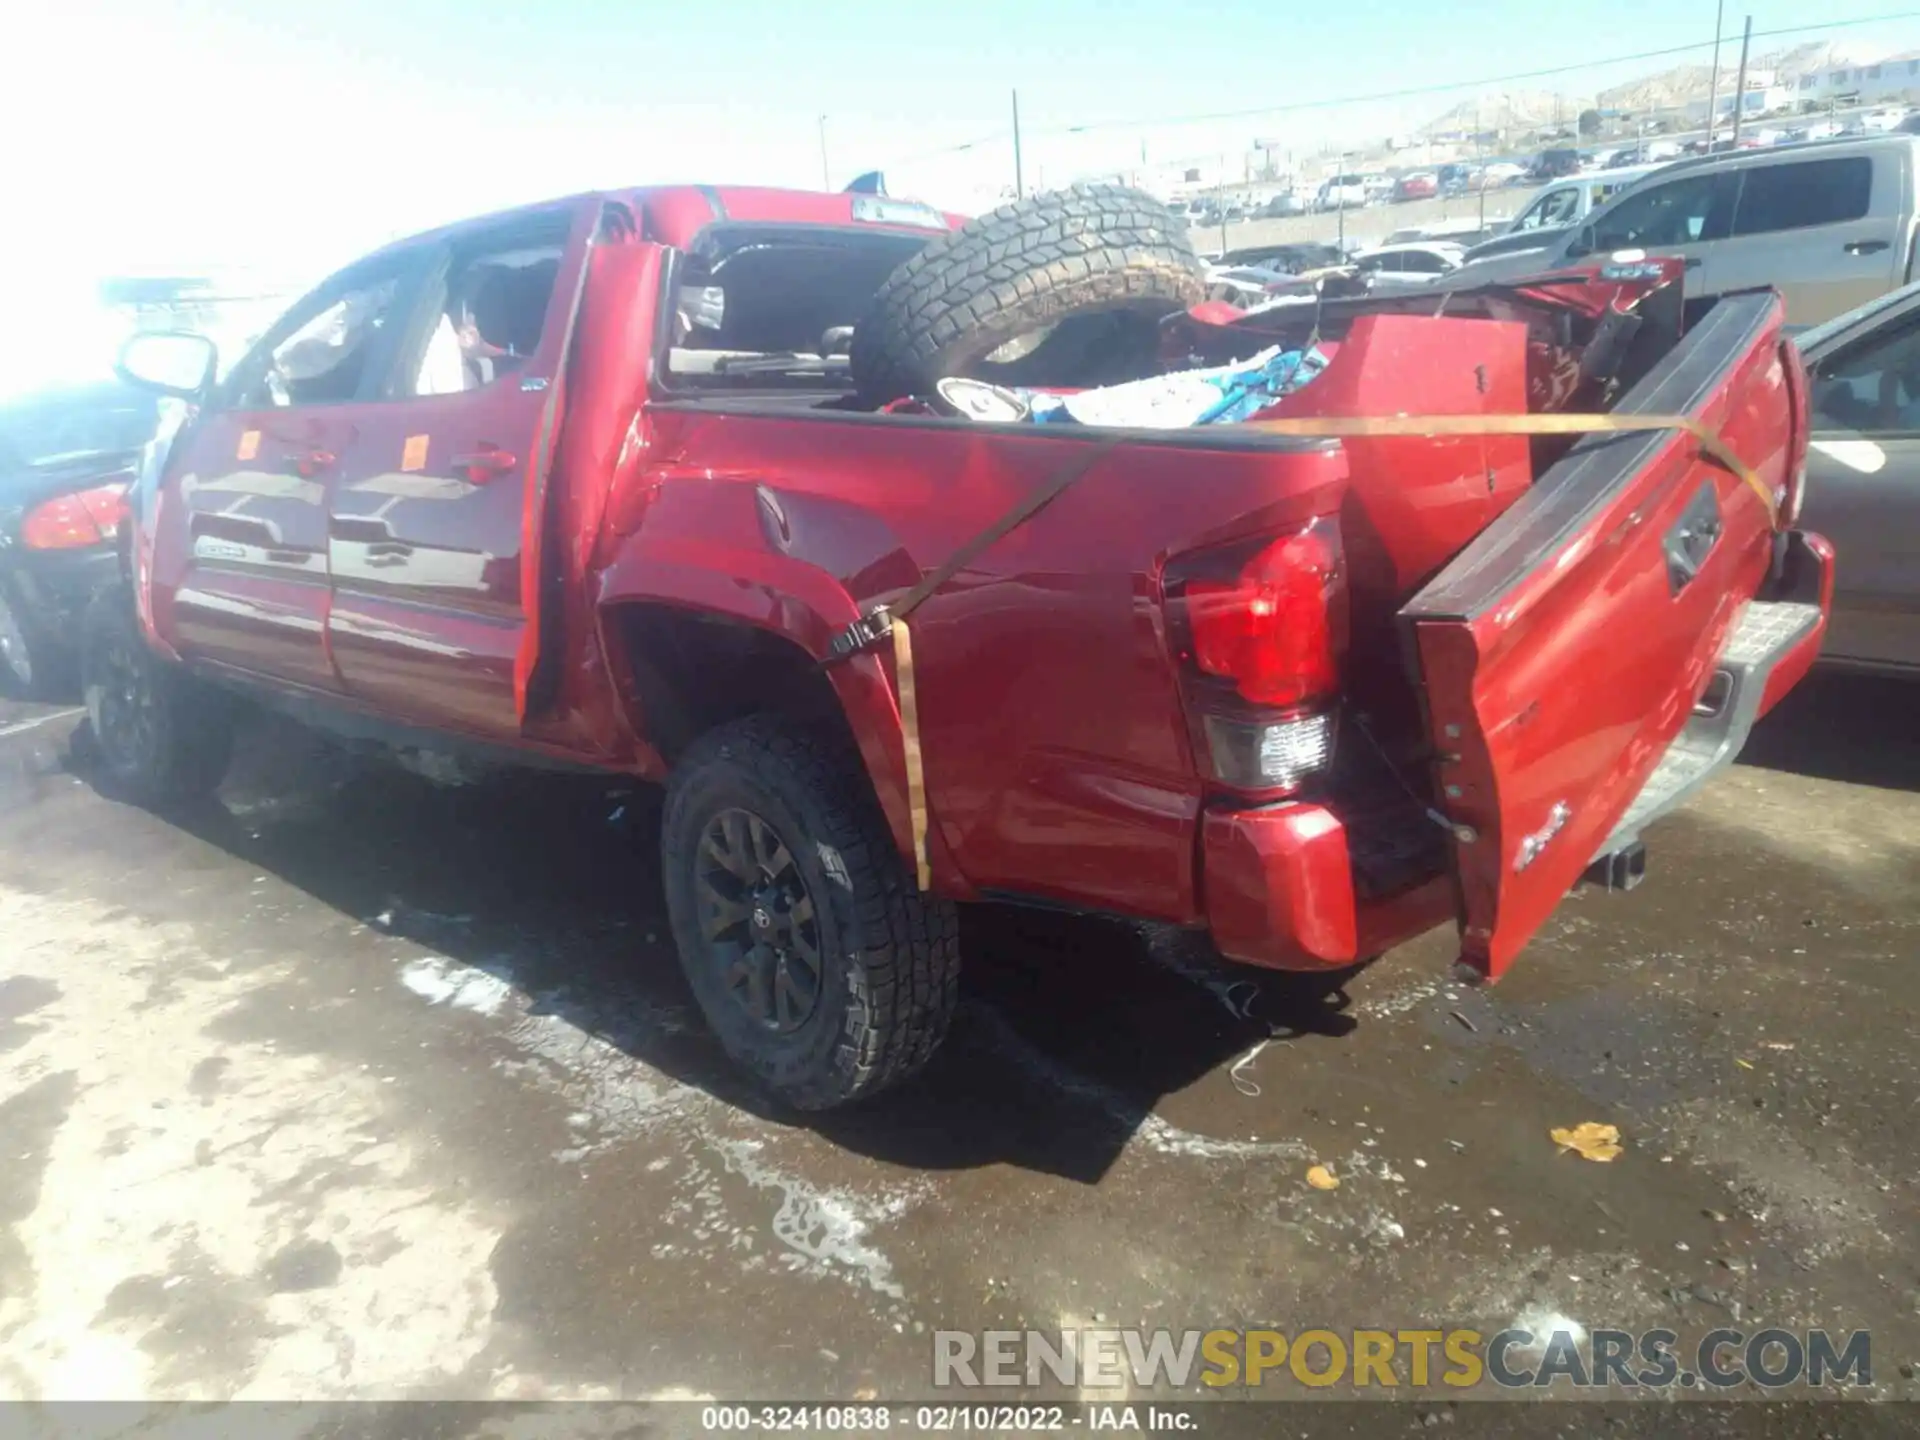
{"x":1505,"y":172}
{"x":506,"y":491}
{"x":1343,"y":192}
{"x":1250,"y":284}
{"x":1829,"y":225}
{"x":1378,"y":188}
{"x":66,"y":459}
{"x":1398,"y":266}
{"x":1418,"y":186}
{"x":1552,"y":164}
{"x":1863,"y":478}
{"x":1290,"y":258}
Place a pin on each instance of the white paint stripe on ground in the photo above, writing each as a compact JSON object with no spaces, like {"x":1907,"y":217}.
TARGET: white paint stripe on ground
{"x":34,"y":724}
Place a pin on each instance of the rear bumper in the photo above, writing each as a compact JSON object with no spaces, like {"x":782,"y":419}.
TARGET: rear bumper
{"x":1280,"y":891}
{"x":1279,"y":882}
{"x":1772,"y":645}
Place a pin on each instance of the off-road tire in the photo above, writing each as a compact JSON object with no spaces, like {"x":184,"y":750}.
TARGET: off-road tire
{"x":178,"y":748}
{"x":890,"y":954}
{"x":1101,"y":263}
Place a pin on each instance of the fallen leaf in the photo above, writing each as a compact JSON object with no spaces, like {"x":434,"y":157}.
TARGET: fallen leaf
{"x":1321,"y":1178}
{"x":1744,"y":1064}
{"x":866,"y":1392}
{"x":1779,"y":1044}
{"x":1590,"y":1140}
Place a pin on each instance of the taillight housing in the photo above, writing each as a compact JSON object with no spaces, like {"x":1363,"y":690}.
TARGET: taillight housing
{"x":1260,"y":630}
{"x":73,"y":522}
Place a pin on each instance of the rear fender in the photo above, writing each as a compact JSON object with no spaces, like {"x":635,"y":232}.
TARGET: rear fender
{"x":801,"y":603}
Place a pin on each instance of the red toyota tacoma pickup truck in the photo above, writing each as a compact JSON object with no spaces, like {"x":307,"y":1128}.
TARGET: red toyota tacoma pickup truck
{"x":587,"y":484}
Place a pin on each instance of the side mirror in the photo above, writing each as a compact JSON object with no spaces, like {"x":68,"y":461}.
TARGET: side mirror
{"x":169,"y":362}
{"x":1584,"y":243}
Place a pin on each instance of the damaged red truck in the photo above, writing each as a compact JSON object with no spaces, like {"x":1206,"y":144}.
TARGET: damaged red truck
{"x":588,"y":484}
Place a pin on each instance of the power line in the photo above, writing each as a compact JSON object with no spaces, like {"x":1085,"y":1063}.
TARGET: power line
{"x":1415,"y":91}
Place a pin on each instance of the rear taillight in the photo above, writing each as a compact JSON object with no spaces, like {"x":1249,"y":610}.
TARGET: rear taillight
{"x":72,"y":522}
{"x":1260,"y":630}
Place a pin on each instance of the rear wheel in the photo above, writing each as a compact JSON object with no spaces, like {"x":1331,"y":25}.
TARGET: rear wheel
{"x":817,"y":963}
{"x":159,"y":735}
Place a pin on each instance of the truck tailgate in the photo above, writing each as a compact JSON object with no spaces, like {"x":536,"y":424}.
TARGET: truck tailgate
{"x":1562,"y":653}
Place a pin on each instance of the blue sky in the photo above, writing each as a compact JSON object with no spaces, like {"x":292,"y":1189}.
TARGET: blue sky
{"x":154,"y":135}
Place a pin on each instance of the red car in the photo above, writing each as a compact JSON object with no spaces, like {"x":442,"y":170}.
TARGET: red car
{"x":608,"y":483}
{"x":1415,"y":187}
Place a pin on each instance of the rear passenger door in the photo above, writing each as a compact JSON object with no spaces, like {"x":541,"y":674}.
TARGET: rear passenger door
{"x":1825,"y":232}
{"x":435,"y":517}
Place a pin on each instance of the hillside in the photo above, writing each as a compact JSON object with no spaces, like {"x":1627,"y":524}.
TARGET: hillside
{"x":1669,"y":89}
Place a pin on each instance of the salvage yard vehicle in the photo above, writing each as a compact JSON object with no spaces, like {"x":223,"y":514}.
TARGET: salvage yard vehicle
{"x":1863,"y":479}
{"x":1417,"y":263}
{"x":607,"y":483}
{"x":66,"y":458}
{"x":1830,"y":226}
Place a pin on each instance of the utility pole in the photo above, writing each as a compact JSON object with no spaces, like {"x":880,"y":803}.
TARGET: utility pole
{"x":1713,"y":79}
{"x":1740,"y":87}
{"x":1019,"y":177}
{"x":826,"y":179}
{"x":1220,"y":204}
{"x":1480,"y":150}
{"x":1340,"y":208}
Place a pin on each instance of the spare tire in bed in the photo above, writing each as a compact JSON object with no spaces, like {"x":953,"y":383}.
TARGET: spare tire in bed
{"x":1062,"y":289}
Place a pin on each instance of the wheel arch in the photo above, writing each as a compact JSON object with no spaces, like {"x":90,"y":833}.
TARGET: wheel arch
{"x":689,"y":659}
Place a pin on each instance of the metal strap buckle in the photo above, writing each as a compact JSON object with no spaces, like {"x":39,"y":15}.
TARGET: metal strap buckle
{"x":876,"y":624}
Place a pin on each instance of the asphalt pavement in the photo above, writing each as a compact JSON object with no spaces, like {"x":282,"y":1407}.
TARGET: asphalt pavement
{"x":354,"y":1087}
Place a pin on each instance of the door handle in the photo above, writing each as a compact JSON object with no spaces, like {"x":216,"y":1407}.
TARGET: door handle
{"x":482,"y":465}
{"x":1865,"y":247}
{"x":1693,"y":262}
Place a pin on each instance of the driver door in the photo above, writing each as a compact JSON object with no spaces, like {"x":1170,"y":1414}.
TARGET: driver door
{"x":240,"y":574}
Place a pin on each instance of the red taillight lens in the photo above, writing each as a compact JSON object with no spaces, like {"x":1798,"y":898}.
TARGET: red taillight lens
{"x":1276,"y":627}
{"x":72,"y":522}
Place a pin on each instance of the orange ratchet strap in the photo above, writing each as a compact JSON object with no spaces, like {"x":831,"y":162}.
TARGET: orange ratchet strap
{"x":891,"y":619}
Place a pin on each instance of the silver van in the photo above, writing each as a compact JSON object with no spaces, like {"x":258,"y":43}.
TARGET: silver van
{"x":1830,"y":224}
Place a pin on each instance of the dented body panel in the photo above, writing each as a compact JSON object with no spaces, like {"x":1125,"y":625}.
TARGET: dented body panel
{"x":1057,"y":688}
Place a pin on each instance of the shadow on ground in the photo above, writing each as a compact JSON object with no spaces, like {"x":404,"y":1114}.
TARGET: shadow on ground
{"x":1071,"y":1029}
{"x":1853,"y":728}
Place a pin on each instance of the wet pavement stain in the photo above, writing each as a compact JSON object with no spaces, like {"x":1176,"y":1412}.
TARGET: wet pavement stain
{"x":441,"y":1036}
{"x":29,"y":1120}
{"x":21,"y":996}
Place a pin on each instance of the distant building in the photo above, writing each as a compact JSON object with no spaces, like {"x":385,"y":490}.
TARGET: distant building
{"x":1765,"y":91}
{"x":1894,"y":78}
